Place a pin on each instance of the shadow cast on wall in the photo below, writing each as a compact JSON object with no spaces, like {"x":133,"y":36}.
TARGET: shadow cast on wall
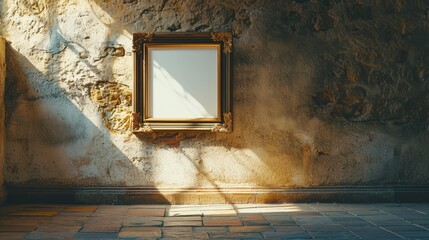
{"x":56,"y":135}
{"x":252,"y":127}
{"x":53,"y":145}
{"x":49,"y":93}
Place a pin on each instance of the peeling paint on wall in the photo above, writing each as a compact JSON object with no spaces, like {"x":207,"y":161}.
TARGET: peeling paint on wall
{"x":114,"y":103}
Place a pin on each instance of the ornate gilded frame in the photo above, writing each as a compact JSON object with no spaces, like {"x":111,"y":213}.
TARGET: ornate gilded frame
{"x":142,"y":122}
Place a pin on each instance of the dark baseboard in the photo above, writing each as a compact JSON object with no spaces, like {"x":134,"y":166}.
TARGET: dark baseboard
{"x":151,"y":195}
{"x":3,"y":195}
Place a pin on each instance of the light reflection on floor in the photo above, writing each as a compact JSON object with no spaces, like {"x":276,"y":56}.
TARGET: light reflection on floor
{"x":250,"y":221}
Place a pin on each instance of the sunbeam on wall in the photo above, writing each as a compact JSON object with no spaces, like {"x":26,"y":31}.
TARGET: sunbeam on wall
{"x":324,"y":93}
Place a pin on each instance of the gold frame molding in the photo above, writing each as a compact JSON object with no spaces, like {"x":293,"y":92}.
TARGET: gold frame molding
{"x":141,"y":121}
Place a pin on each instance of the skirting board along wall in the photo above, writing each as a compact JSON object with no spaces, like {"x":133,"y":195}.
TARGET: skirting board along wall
{"x":3,"y":195}
{"x":148,"y":195}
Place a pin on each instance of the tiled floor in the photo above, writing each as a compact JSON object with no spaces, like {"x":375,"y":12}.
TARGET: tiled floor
{"x":280,"y":221}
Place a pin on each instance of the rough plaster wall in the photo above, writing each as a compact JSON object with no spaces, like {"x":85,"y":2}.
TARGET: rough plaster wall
{"x":324,"y":93}
{"x":2,"y":111}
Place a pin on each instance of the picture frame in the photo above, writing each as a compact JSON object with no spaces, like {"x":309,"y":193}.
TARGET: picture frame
{"x":182,"y":82}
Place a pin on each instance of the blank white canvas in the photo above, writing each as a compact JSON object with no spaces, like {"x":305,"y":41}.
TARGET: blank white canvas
{"x":183,"y":82}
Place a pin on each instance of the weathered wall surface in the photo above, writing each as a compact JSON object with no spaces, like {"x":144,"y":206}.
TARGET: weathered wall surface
{"x":324,"y":93}
{"x":2,"y":115}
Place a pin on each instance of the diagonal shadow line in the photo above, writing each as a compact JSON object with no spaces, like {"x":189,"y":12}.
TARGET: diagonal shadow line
{"x":56,"y":125}
{"x":210,"y":179}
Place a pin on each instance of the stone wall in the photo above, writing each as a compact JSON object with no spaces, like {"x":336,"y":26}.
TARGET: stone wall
{"x":2,"y":117}
{"x":324,"y":93}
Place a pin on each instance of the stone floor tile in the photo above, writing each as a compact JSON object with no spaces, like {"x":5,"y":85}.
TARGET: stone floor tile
{"x":200,"y":235}
{"x":215,"y":207}
{"x":104,"y":223}
{"x":67,"y":220}
{"x":177,"y":229}
{"x":19,"y":221}
{"x":90,"y":208}
{"x":51,"y":235}
{"x":314,"y":220}
{"x":58,"y":228}
{"x":222,"y":217}
{"x":140,"y":218}
{"x":192,"y":207}
{"x":320,"y":221}
{"x":354,"y":222}
{"x":275,"y":216}
{"x":140,"y":232}
{"x":283,"y":222}
{"x":225,"y":222}
{"x":12,"y":235}
{"x":304,"y":213}
{"x":425,"y":226}
{"x":178,"y":223}
{"x":371,"y":232}
{"x":387,"y":217}
{"x":95,"y":235}
{"x":235,"y":235}
{"x":148,"y":223}
{"x":390,"y":223}
{"x":363,"y":213}
{"x":256,"y":223}
{"x":245,"y":229}
{"x":336,"y":213}
{"x":40,"y":208}
{"x":157,"y":212}
{"x":419,"y":216}
{"x":34,"y":213}
{"x":109,"y":215}
{"x":323,"y":228}
{"x":187,"y":236}
{"x":252,"y":217}
{"x":211,"y":229}
{"x":104,"y":220}
{"x":345,"y":218}
{"x":289,"y":228}
{"x":325,"y":207}
{"x":333,"y":235}
{"x":184,"y":218}
{"x":100,"y":228}
{"x":75,"y":214}
{"x":356,"y":206}
{"x":409,"y":227}
{"x":287,"y":235}
{"x":413,"y":234}
{"x":220,"y":212}
{"x":419,"y":221}
{"x":183,"y":233}
{"x":184,"y":213}
{"x":17,"y":228}
{"x":184,"y":210}
{"x":269,"y":209}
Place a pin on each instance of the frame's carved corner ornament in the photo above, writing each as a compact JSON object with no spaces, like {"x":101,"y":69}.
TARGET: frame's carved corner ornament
{"x":147,"y":37}
{"x":146,"y":128}
{"x":226,"y":38}
{"x":139,"y":38}
{"x":135,"y":121}
{"x":137,"y":126}
{"x":226,"y":127}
